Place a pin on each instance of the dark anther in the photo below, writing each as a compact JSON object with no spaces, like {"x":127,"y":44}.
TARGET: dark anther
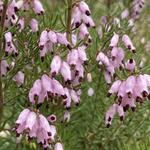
{"x":133,"y":109}
{"x":38,"y":105}
{"x":87,"y":13}
{"x":109,"y":119}
{"x":108,"y":125}
{"x":131,"y":61}
{"x":121,"y":118}
{"x":88,"y":25}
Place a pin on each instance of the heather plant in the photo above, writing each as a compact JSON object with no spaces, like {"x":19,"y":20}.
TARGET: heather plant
{"x":69,"y":69}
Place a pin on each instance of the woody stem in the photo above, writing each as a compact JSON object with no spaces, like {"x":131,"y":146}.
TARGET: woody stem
{"x":1,"y":46}
{"x":69,"y":36}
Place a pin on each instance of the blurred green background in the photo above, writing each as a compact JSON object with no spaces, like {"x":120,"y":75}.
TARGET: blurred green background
{"x":86,"y":129}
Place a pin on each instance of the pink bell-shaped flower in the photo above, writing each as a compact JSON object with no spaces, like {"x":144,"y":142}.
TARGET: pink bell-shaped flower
{"x":114,"y":40}
{"x":66,"y":72}
{"x":128,"y":43}
{"x":34,"y":25}
{"x":55,"y":65}
{"x":37,"y":7}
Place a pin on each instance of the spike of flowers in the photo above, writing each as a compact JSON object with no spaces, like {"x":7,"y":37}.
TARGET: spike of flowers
{"x":35,"y":125}
{"x":134,"y":88}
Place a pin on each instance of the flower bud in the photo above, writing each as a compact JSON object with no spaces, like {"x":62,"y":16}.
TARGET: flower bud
{"x":19,"y":78}
{"x":34,"y":25}
{"x":90,"y":92}
{"x":58,"y":146}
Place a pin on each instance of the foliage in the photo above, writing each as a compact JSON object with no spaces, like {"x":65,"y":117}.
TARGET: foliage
{"x":86,"y":129}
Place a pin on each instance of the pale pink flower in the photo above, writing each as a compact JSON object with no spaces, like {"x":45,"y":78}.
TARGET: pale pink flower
{"x":76,"y":15}
{"x":101,"y":57}
{"x":4,"y":67}
{"x":90,"y":92}
{"x":75,"y":98}
{"x":72,"y":57}
{"x":66,"y":117}
{"x":37,"y":7}
{"x":35,"y":91}
{"x":122,"y":90}
{"x":82,"y":54}
{"x":21,"y":24}
{"x":22,"y":117}
{"x":88,"y":20}
{"x":43,"y":52}
{"x":125,"y":14}
{"x":34,"y":25}
{"x":8,"y":38}
{"x":52,"y":118}
{"x":67,"y":101}
{"x":89,"y":77}
{"x":120,"y":112}
{"x":83,"y":31}
{"x":110,"y":114}
{"x":47,"y":84}
{"x":130,"y":65}
{"x":43,"y":39}
{"x":58,"y":146}
{"x":30,"y":121}
{"x":128,"y":43}
{"x":84,"y":8}
{"x":129,"y":85}
{"x":142,"y":85}
{"x":79,"y":71}
{"x":65,"y":71}
{"x":115,"y":87}
{"x":55,"y":65}
{"x":147,"y":78}
{"x":52,"y":36}
{"x":19,"y":78}
{"x":58,"y":88}
{"x":114,"y":40}
{"x":61,"y":38}
{"x":107,"y":77}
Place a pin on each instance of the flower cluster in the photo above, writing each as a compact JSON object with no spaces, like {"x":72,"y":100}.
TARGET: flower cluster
{"x":72,"y":72}
{"x":12,"y":17}
{"x":49,"y":87}
{"x":137,"y":6}
{"x":133,"y":88}
{"x":81,"y":18}
{"x":128,"y":92}
{"x":48,"y":38}
{"x":35,"y":125}
{"x":115,"y":60}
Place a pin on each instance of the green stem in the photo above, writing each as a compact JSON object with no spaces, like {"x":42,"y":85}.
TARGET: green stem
{"x":108,"y":7}
{"x":69,"y":36}
{"x":1,"y":46}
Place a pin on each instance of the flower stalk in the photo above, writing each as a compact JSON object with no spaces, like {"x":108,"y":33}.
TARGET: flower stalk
{"x":69,"y":20}
{"x":1,"y":46}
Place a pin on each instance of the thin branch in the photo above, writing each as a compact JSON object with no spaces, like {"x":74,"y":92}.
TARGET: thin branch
{"x":69,"y":36}
{"x":1,"y":46}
